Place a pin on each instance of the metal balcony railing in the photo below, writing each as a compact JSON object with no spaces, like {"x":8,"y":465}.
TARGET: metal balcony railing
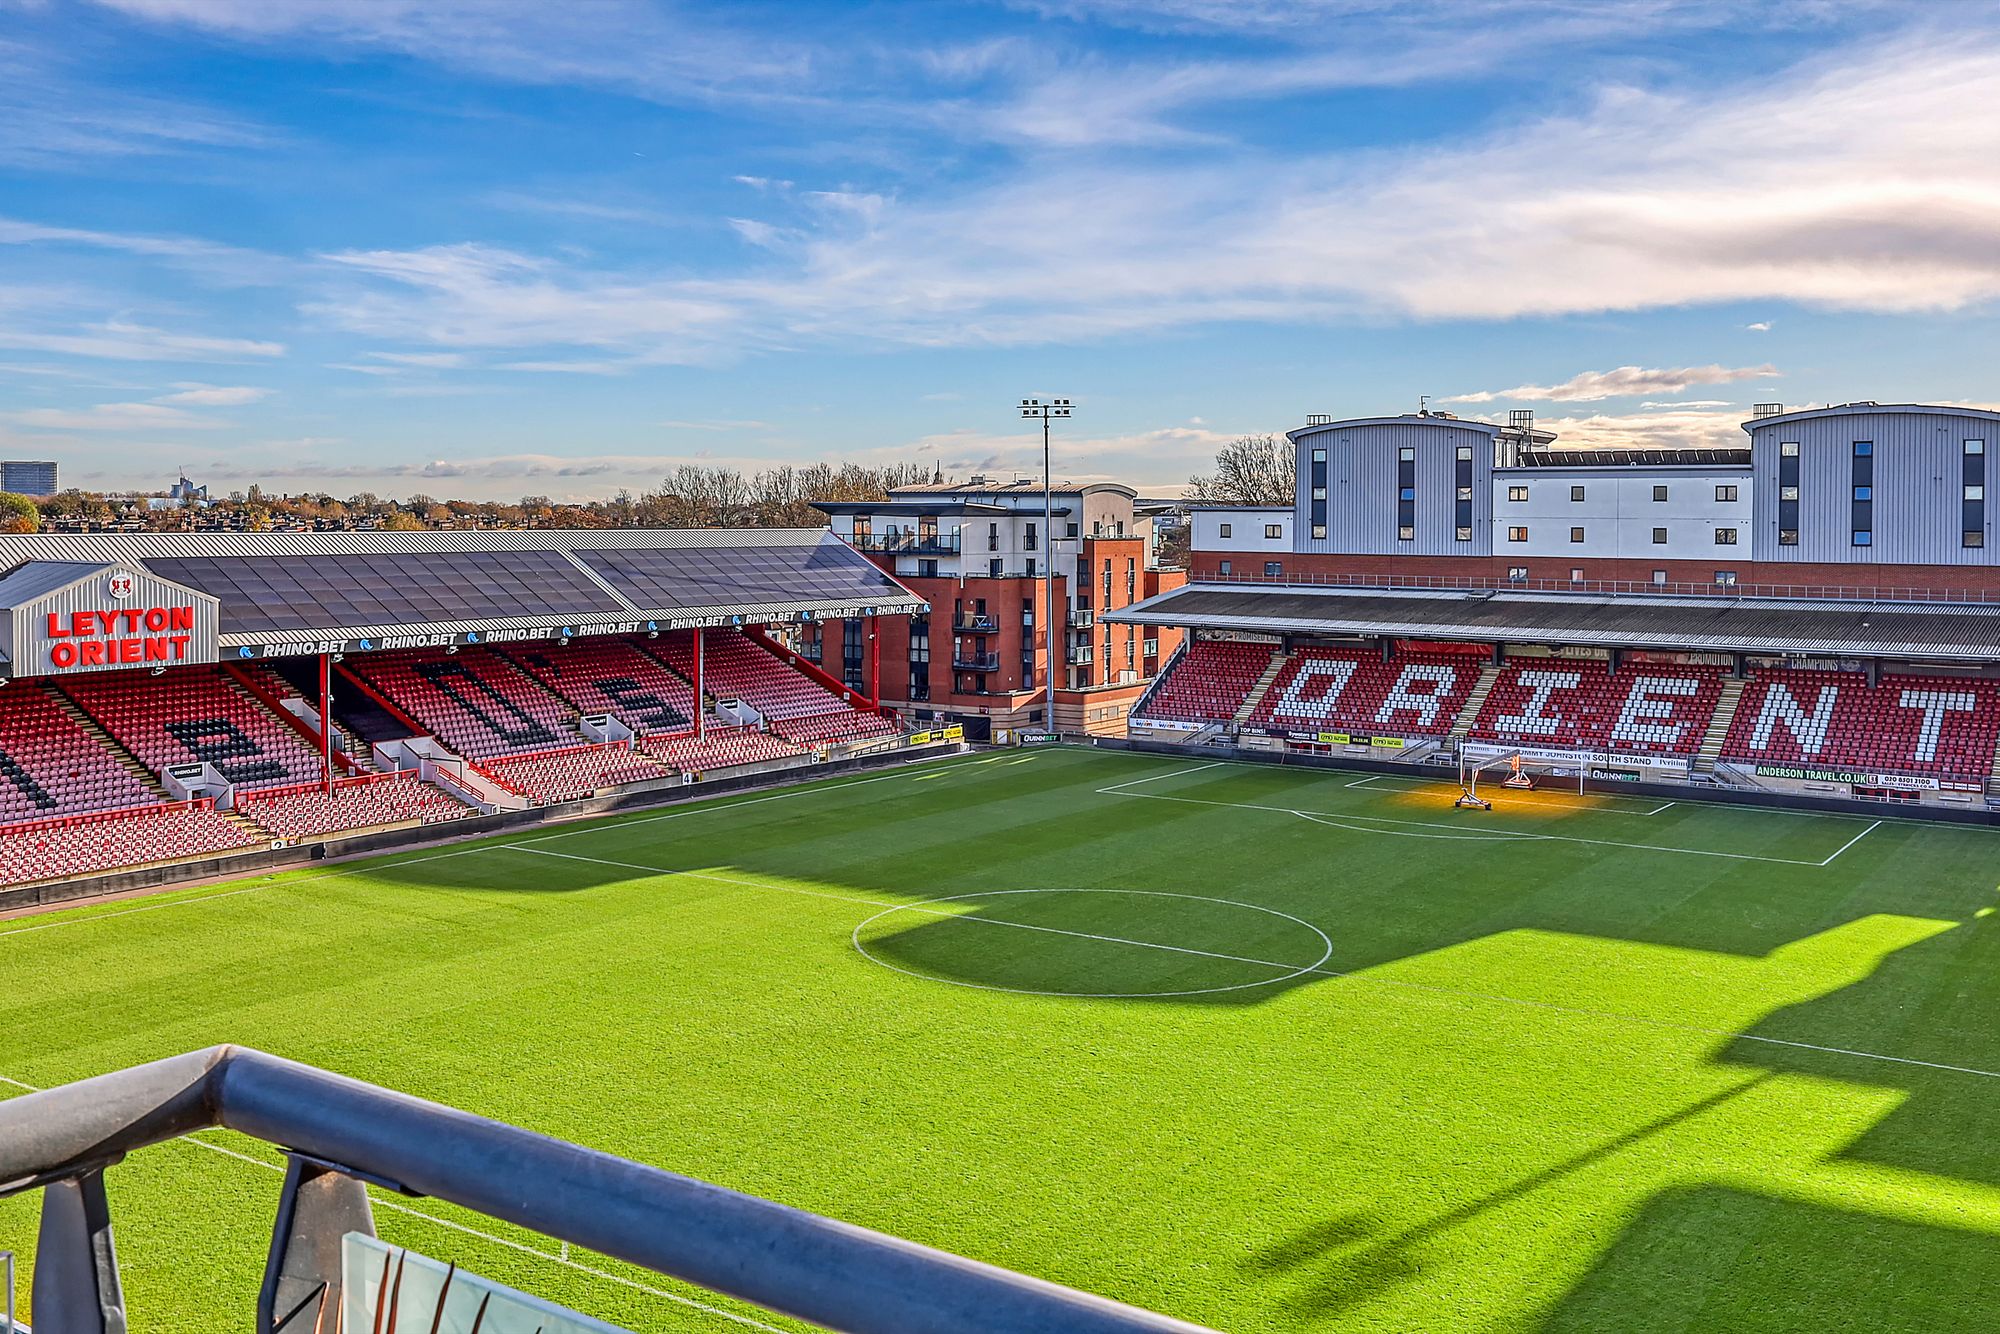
{"x":976,"y":623}
{"x":976,"y":662}
{"x":908,"y":544}
{"x":1612,"y":587}
{"x":338,"y":1133}
{"x":1082,"y":654}
{"x":1082,"y":617}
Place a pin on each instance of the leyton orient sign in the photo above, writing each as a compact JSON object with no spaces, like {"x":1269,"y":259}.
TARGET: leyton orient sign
{"x":111,"y":619}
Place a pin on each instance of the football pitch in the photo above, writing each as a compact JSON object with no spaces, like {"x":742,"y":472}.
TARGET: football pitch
{"x":1261,"y":1048}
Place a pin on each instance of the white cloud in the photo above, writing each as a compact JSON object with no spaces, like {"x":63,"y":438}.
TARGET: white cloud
{"x":1622,"y":382}
{"x":1685,"y":427}
{"x":213,"y":395}
{"x":1761,"y":326}
{"x":115,"y":417}
{"x":121,"y":340}
{"x":440,"y":361}
{"x":1799,"y":187}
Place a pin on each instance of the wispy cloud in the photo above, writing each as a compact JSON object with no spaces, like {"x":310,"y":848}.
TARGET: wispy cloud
{"x":1623,"y":382}
{"x":52,"y":117}
{"x":1799,"y":188}
{"x":213,"y":395}
{"x":120,"y":340}
{"x":115,"y":417}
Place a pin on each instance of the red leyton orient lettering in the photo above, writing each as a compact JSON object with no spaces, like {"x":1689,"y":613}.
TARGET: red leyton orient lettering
{"x":129,"y":620}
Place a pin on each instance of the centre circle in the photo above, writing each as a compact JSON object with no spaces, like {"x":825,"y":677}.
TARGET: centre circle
{"x":1109,"y":937}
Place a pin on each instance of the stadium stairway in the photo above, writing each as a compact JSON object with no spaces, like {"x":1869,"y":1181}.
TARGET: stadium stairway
{"x":1993,"y":780}
{"x":355,"y":716}
{"x":132,"y":763}
{"x":1718,"y":726}
{"x":1257,"y":692}
{"x":1476,"y":700}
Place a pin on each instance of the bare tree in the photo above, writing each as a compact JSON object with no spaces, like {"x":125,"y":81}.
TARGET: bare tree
{"x":1249,"y":470}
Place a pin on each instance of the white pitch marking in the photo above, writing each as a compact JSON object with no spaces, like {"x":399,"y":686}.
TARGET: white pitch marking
{"x":1297,"y":970}
{"x":1663,"y":806}
{"x":370,"y":866}
{"x":1154,"y":778}
{"x":1509,"y":833}
{"x":1364,"y":782}
{"x":1337,"y":823}
{"x":891,"y":905}
{"x":1851,"y":842}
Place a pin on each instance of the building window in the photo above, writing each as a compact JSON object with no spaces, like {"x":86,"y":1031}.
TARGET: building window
{"x":1659,"y":537}
{"x":1725,"y":494}
{"x":1223,"y":530}
{"x":1861,"y":508}
{"x":1788,"y":493}
{"x":1659,"y":493}
{"x":1576,"y":534}
{"x":1317,"y":480}
{"x":1576,"y":574}
{"x":1031,"y":541}
{"x":1727,"y":578}
{"x":1725,"y":537}
{"x":1461,"y":480}
{"x":1972,"y":507}
{"x":1464,"y":534}
{"x":1273,"y":531}
{"x":1517,"y":572}
{"x":1659,"y":576}
{"x":1788,"y":449}
{"x":1223,"y":567}
{"x":1575,"y":494}
{"x":1319,"y":531}
{"x":993,"y":567}
{"x":1406,"y":494}
{"x":1517,"y":534}
{"x":1273,"y":569}
{"x":1788,"y":537}
{"x":1031,"y":571}
{"x":1517,"y":493}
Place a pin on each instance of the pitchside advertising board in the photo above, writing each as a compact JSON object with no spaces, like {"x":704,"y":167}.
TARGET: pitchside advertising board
{"x":1609,"y":766}
{"x":110,"y":618}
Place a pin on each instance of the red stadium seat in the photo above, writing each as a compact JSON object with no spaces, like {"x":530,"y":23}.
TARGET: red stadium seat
{"x":1942,"y":727}
{"x":1580,"y":704}
{"x":50,"y":766}
{"x":735,"y":667}
{"x":612,"y":676}
{"x":84,"y":844}
{"x":566,"y":775}
{"x":364,"y":802}
{"x":474,"y":701}
{"x":1207,"y":683}
{"x":722,"y":748}
{"x":193,"y":714}
{"x":1353,"y":690}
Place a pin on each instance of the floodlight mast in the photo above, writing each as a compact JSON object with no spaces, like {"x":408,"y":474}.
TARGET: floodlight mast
{"x":1035,"y":409}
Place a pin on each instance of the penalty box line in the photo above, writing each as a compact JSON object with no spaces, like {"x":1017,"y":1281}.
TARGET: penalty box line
{"x":1496,"y":835}
{"x":1318,"y":970}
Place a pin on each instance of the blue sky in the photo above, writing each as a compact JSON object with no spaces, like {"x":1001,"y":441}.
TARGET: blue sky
{"x":498,"y":247}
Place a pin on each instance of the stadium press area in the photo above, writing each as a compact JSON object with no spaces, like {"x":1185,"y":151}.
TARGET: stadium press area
{"x":1268,"y":1049}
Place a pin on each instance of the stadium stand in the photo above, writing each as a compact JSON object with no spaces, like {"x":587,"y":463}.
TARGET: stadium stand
{"x":1353,"y":689}
{"x":735,"y":667}
{"x":50,"y":766}
{"x":1942,"y":727}
{"x":846,"y":725}
{"x":565,"y":775}
{"x":474,"y":701}
{"x":722,"y":748}
{"x":195,"y":714}
{"x":1581,"y":704}
{"x":1208,"y":681}
{"x":612,"y":676}
{"x":365,"y":802}
{"x":78,"y":845}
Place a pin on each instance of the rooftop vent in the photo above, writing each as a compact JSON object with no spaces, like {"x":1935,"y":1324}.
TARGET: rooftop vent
{"x":978,"y":479}
{"x":1319,"y":419}
{"x":1767,"y":410}
{"x":1521,"y":419}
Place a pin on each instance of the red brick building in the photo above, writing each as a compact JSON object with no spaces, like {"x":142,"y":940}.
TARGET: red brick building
{"x":983,"y":555}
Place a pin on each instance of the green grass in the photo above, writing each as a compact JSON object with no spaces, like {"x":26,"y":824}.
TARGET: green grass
{"x":1319,"y":1056}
